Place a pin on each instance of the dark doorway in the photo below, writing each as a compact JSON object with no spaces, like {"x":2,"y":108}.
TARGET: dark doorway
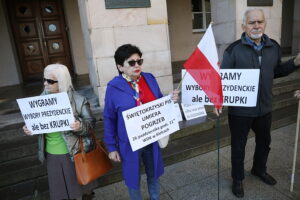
{"x":287,"y":26}
{"x":40,"y":35}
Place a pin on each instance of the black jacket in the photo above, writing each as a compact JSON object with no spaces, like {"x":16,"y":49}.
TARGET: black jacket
{"x":241,"y":55}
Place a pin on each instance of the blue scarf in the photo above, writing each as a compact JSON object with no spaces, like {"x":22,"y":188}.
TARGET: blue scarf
{"x":254,"y":45}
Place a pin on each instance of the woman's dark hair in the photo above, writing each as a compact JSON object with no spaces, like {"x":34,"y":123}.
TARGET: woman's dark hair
{"x":124,"y":52}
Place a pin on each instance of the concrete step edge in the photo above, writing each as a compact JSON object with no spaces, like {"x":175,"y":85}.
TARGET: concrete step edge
{"x":170,"y":158}
{"x":186,"y":130}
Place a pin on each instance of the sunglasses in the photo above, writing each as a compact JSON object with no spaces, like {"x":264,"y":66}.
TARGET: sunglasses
{"x":133,"y":62}
{"x":49,"y":81}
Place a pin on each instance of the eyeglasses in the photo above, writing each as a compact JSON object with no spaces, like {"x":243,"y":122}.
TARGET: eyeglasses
{"x":254,"y":22}
{"x":133,"y":62}
{"x":49,"y":81}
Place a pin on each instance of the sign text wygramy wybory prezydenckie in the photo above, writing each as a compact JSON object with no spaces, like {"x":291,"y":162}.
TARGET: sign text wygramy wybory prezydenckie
{"x":47,"y":113}
{"x":44,"y":103}
{"x":227,"y":99}
{"x":239,"y":87}
{"x":39,"y":103}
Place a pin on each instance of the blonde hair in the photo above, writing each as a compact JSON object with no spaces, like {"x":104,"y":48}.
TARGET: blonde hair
{"x":62,"y":75}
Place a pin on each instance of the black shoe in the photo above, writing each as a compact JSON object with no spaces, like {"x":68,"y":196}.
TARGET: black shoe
{"x":237,"y":188}
{"x":265,"y":177}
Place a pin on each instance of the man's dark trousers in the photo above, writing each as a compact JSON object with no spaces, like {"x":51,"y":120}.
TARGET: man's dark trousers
{"x":240,"y":127}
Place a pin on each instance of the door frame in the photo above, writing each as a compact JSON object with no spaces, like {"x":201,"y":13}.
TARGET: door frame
{"x":7,"y":8}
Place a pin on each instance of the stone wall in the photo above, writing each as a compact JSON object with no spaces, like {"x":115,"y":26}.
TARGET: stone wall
{"x":9,"y":74}
{"x":110,"y":28}
{"x":273,"y":17}
{"x":228,"y":18}
{"x":182,"y":39}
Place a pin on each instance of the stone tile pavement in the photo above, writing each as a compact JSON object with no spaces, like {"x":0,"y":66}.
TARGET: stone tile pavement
{"x":196,"y":178}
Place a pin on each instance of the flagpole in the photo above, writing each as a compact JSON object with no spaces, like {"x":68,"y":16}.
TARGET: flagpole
{"x":179,"y":85}
{"x":205,"y":57}
{"x":218,"y":146}
{"x":218,"y":152}
{"x":295,"y":148}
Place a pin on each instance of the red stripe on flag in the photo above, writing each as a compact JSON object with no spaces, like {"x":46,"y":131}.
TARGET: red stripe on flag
{"x":206,"y":76}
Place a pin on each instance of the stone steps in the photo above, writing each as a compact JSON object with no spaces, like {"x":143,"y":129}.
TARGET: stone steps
{"x":28,"y":189}
{"x":199,"y":139}
{"x":20,"y":170}
{"x":16,"y":145}
{"x":23,"y":177}
{"x":14,"y":120}
{"x":32,"y":175}
{"x":18,"y":149}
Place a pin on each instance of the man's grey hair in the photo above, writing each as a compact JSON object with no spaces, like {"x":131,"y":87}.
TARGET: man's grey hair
{"x":63,"y":76}
{"x":247,"y":12}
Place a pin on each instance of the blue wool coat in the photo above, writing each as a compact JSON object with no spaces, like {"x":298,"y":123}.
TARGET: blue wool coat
{"x":118,"y":98}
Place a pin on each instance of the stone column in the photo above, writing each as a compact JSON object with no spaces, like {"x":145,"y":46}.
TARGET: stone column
{"x":273,"y":15}
{"x":228,"y":18}
{"x":224,"y":23}
{"x":86,"y":31}
{"x":107,"y":29}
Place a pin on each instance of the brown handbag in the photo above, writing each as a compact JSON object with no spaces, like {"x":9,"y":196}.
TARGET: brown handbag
{"x":91,"y":165}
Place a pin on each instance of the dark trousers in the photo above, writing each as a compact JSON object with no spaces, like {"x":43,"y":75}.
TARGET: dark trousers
{"x":239,"y":128}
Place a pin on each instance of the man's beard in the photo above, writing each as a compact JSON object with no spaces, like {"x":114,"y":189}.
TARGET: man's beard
{"x":256,"y":34}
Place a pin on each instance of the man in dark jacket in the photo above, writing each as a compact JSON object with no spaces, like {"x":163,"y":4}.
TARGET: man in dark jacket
{"x":254,"y":50}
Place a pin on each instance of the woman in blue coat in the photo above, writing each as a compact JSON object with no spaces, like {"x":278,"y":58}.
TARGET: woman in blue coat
{"x":130,"y":89}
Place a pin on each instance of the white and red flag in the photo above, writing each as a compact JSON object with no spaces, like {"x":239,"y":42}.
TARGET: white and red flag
{"x":203,"y":66}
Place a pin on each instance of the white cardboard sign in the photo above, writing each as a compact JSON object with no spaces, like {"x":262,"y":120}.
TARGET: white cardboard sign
{"x":150,"y":122}
{"x":47,"y":113}
{"x":192,"y":111}
{"x":178,"y":112}
{"x":240,"y":87}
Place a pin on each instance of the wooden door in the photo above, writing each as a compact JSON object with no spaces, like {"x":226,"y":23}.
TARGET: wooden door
{"x":40,"y":35}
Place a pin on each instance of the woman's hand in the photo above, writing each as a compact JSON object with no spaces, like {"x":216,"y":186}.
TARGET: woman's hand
{"x":175,"y":95}
{"x":217,"y":111}
{"x":76,"y":126}
{"x":26,"y":130}
{"x":114,"y":156}
{"x":297,"y":94}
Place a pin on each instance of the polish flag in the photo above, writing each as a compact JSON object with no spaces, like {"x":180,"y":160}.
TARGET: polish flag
{"x":203,"y":66}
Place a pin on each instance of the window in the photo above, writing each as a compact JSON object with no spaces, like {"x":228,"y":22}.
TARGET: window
{"x":201,"y":14}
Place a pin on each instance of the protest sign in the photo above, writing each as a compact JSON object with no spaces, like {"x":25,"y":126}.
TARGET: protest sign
{"x":192,"y":111}
{"x":150,"y":122}
{"x":240,"y":87}
{"x":47,"y":113}
{"x":178,"y":112}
